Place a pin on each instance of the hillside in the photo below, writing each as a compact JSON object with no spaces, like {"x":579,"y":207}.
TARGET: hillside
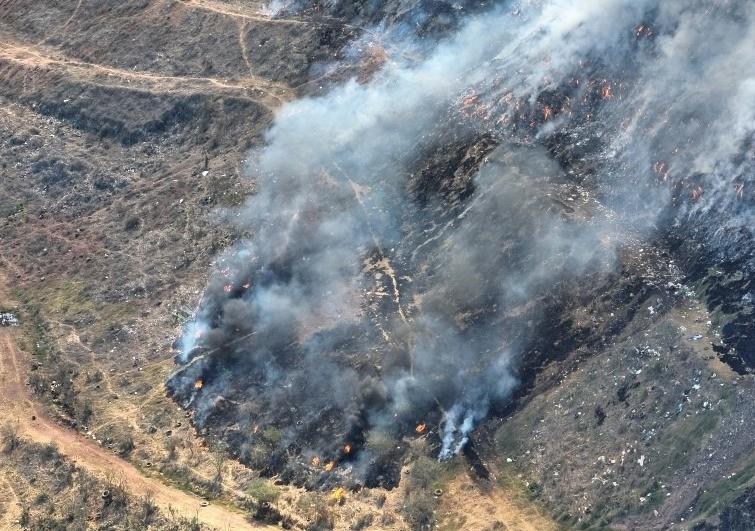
{"x":394,"y":265}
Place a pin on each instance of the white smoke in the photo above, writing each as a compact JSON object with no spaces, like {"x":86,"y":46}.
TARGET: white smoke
{"x":678,"y":82}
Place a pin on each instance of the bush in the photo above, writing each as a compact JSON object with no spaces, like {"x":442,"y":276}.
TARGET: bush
{"x":132,"y":223}
{"x":272,"y":436}
{"x":362,"y":522}
{"x":427,"y":474}
{"x":323,"y":520}
{"x":262,"y":491}
{"x":124,"y":445}
{"x":255,"y":455}
{"x":419,"y":510}
{"x":146,"y":511}
{"x":10,"y":438}
{"x":171,"y":445}
{"x":315,"y":510}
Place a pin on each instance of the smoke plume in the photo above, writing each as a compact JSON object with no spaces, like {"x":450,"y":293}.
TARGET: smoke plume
{"x":375,"y":294}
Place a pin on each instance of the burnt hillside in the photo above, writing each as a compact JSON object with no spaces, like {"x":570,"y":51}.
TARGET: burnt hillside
{"x":437,"y":254}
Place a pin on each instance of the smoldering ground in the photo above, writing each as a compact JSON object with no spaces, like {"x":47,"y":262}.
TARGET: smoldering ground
{"x":357,"y":311}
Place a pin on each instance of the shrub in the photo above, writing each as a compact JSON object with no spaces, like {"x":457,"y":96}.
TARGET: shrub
{"x":132,"y":223}
{"x":362,"y":522}
{"x":262,"y":491}
{"x":419,"y":510}
{"x":124,"y":444}
{"x":10,"y":437}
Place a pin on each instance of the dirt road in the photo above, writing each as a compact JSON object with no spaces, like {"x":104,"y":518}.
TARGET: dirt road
{"x":16,"y":404}
{"x":39,"y":58}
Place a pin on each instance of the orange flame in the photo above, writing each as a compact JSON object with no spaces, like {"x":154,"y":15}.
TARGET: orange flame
{"x":470,"y":100}
{"x":315,"y":461}
{"x":421,"y":428}
{"x":547,"y":113}
{"x":347,"y":449}
{"x":330,"y":465}
{"x":198,"y":384}
{"x":606,"y":92}
{"x":697,"y":193}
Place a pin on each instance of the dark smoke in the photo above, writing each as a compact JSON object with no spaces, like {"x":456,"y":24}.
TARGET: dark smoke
{"x":374,"y":295}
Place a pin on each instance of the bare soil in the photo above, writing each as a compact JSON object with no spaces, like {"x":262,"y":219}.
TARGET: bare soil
{"x":20,"y":408}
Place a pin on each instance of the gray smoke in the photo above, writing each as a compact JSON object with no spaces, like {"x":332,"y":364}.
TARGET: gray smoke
{"x":356,"y":306}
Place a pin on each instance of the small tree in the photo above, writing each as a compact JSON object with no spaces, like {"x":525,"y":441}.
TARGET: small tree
{"x":218,"y":463}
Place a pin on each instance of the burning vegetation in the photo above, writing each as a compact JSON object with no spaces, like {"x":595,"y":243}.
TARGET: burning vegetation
{"x":417,"y":229}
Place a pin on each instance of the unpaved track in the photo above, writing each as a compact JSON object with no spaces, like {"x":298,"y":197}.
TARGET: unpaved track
{"x":231,"y":10}
{"x":35,"y":57}
{"x":17,"y":405}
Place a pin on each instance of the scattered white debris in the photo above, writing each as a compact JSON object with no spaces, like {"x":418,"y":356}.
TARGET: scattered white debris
{"x":8,"y":319}
{"x":204,"y":173}
{"x":641,"y":460}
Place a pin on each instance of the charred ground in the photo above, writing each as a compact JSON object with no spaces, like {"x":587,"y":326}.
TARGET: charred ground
{"x":125,"y":130}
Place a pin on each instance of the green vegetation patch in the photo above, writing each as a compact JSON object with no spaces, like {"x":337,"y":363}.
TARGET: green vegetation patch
{"x":725,"y":491}
{"x":263,"y":491}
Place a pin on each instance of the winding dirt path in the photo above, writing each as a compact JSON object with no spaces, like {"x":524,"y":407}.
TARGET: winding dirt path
{"x":36,"y":57}
{"x":234,"y":11}
{"x":17,"y":405}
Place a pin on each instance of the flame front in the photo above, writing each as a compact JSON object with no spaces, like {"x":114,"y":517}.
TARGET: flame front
{"x":421,"y":428}
{"x":198,"y":384}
